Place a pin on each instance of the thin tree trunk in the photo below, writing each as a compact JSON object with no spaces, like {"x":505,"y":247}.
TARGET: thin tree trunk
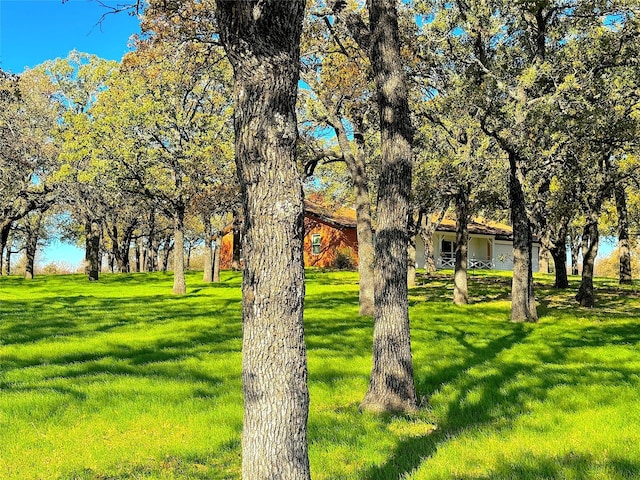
{"x":523,"y":305}
{"x":207,"y":275}
{"x":216,"y":260}
{"x":411,"y":252}
{"x":624,"y":251}
{"x":33,"y":224}
{"x":7,"y":261}
{"x":138,"y":255}
{"x":166,"y":253}
{"x":574,"y":245}
{"x":558,"y":252}
{"x":391,"y":384}
{"x":543,"y":260}
{"x":237,"y":244}
{"x":262,"y":40}
{"x":590,"y":241}
{"x":364,"y":231}
{"x":151,"y":264}
{"x":4,"y":238}
{"x":426,"y":234}
{"x":179,"y":281}
{"x":92,"y":252}
{"x":460,"y":277}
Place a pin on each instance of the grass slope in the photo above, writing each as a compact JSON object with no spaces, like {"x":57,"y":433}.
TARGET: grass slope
{"x":122,"y":380}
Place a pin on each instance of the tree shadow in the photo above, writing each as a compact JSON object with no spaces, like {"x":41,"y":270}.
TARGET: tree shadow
{"x":492,"y":398}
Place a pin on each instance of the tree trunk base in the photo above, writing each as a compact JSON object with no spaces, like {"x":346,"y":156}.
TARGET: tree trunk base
{"x":375,"y":404}
{"x":366,"y":309}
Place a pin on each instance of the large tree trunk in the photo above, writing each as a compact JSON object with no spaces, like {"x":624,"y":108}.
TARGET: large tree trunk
{"x":179,"y":282}
{"x":262,"y":40}
{"x":391,"y":384}
{"x":623,"y":235}
{"x":590,"y":240}
{"x":523,"y":304}
{"x":93,"y":232}
{"x":460,"y":279}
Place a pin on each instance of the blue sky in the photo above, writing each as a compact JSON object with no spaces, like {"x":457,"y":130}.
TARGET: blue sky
{"x":32,"y":31}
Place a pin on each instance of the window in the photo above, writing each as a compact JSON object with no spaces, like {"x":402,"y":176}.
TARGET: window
{"x":448,"y":249}
{"x":315,"y":244}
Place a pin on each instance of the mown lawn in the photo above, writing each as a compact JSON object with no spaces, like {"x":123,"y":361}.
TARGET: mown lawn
{"x":122,"y":380}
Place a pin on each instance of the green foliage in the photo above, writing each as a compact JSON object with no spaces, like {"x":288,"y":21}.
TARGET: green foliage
{"x":122,"y":380}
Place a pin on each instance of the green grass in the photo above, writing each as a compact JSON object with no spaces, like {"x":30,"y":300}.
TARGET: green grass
{"x":122,"y":380}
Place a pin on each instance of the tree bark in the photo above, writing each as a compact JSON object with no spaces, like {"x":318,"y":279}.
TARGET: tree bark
{"x":207,"y":275}
{"x":574,"y":245}
{"x":590,"y":241}
{"x":262,"y":40}
{"x":460,"y":277}
{"x":523,"y":304}
{"x":364,"y":231}
{"x":216,"y":259}
{"x":426,"y":234}
{"x":411,"y":252}
{"x":151,"y":264}
{"x":33,"y":224}
{"x":391,"y":386}
{"x":558,"y":251}
{"x":237,"y":244}
{"x":543,"y":261}
{"x":167,"y":248}
{"x":624,"y":251}
{"x":179,"y":281}
{"x":92,"y":244}
{"x":5,"y":229}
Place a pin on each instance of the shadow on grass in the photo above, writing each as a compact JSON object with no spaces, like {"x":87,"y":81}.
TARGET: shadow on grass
{"x":489,"y":390}
{"x":566,"y":466}
{"x":411,"y":452}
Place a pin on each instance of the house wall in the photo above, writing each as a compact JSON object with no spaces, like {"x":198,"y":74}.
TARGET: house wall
{"x":503,"y":255}
{"x":333,"y":244}
{"x":481,"y":248}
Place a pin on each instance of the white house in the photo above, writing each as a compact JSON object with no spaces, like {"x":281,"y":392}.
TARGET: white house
{"x":490,"y":246}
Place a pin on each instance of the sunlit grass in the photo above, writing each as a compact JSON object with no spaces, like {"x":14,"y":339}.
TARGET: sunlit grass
{"x":122,"y":380}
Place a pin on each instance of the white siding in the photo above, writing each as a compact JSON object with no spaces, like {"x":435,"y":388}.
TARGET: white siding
{"x":503,"y":255}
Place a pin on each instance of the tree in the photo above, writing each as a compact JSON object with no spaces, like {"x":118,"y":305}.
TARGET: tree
{"x":163,"y":124}
{"x":262,"y":40}
{"x":28,"y":153}
{"x":78,"y":80}
{"x":339,"y":98}
{"x":391,"y":384}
